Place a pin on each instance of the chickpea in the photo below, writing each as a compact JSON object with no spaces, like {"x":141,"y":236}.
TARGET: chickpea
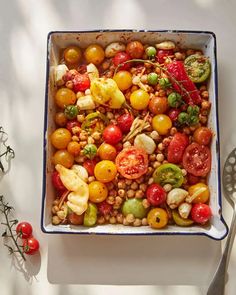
{"x":121,"y":193}
{"x":139,"y":194}
{"x":125,"y":222}
{"x":173,"y":131}
{"x":190,"y":52}
{"x":56,"y":202}
{"x":203,"y":88}
{"x":111,"y":200}
{"x":167,"y":187}
{"x":112,"y":220}
{"x":156,"y":164}
{"x":166,"y":141}
{"x":113,"y":192}
{"x":140,"y":180}
{"x":126,"y":144}
{"x":161,"y":146}
{"x":152,"y":157}
{"x":101,"y":220}
{"x":83,"y":144}
{"x":55,"y":209}
{"x":149,"y":171}
{"x":121,"y":184}
{"x":119,"y":218}
{"x":118,"y":200}
{"x":80,"y":118}
{"x":143,"y":79}
{"x":96,"y":135}
{"x":91,"y":140}
{"x":107,"y":217}
{"x":91,"y":179}
{"x":110,"y":115}
{"x":179,"y":55}
{"x":79,"y":94}
{"x":128,"y":181}
{"x":144,"y":221}
{"x":137,"y":222}
{"x":134,"y":185}
{"x":143,"y":187}
{"x":184,"y":172}
{"x":130,"y":218}
{"x":186,"y":130}
{"x":145,"y":203}
{"x":203,"y":119}
{"x":56,"y":220}
{"x":136,"y":80}
{"x":150,"y":180}
{"x":161,"y":93}
{"x":83,"y":136}
{"x":206,"y":105}
{"x":130,"y":193}
{"x":205,"y":94}
{"x":75,"y":138}
{"x":160,"y":157}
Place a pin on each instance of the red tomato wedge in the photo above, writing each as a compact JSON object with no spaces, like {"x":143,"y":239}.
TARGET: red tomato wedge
{"x":177,"y":147}
{"x":197,"y":159}
{"x":132,"y":162}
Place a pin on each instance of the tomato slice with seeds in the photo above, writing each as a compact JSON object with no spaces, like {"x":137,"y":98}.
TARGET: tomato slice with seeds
{"x":197,"y":159}
{"x":132,"y":162}
{"x":176,"y":148}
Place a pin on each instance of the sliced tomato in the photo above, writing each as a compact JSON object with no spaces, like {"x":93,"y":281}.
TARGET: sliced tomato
{"x":132,"y":162}
{"x":197,"y":159}
{"x":177,"y":147}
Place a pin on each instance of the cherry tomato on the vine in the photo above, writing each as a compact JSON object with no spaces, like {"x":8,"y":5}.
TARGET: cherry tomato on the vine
{"x":24,"y":230}
{"x":30,"y":246}
{"x":120,"y":58}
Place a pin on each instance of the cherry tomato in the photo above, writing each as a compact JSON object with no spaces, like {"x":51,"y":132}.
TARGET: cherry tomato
{"x":158,"y":105}
{"x":64,"y":97}
{"x":156,"y":195}
{"x":56,"y":181}
{"x":112,"y":134}
{"x":168,"y":173}
{"x":197,"y":159}
{"x":71,"y":124}
{"x":123,"y":80}
{"x":24,"y":230}
{"x":201,"y":213}
{"x":132,"y":162}
{"x":177,"y":147}
{"x":94,"y":54}
{"x":135,"y":49}
{"x":139,"y":99}
{"x":60,"y":138}
{"x":202,"y":191}
{"x":202,"y":135}
{"x":30,"y":246}
{"x":125,"y":122}
{"x":76,"y":219}
{"x":64,"y":158}
{"x":173,"y":114}
{"x":72,"y":54}
{"x":60,"y":119}
{"x":157,"y":218}
{"x":89,"y":165}
{"x":105,"y":171}
{"x":162,"y":54}
{"x":162,"y":124}
{"x":120,"y":58}
{"x":107,"y":151}
{"x":98,"y":191}
{"x":81,"y":82}
{"x":192,"y":179}
{"x":73,"y":148}
{"x":104,"y":208}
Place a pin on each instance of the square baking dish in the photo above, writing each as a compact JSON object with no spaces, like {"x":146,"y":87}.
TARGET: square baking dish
{"x":206,"y":41}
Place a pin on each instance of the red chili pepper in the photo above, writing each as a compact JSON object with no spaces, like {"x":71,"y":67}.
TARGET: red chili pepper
{"x":177,"y":72}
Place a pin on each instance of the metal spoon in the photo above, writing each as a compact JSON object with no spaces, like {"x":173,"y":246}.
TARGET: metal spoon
{"x":218,"y":282}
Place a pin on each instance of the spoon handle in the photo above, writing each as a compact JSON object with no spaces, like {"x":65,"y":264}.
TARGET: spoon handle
{"x":217,"y":285}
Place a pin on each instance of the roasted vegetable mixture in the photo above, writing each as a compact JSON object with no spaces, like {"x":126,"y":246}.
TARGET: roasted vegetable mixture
{"x":131,"y":139}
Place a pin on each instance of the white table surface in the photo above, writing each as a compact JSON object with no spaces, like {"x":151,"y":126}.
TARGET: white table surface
{"x":23,"y":29}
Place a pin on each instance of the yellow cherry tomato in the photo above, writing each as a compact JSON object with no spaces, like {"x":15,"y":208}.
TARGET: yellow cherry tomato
{"x":139,"y":99}
{"x":72,"y":54}
{"x":73,"y":148}
{"x":60,"y":119}
{"x":64,"y":158}
{"x":60,"y":138}
{"x":107,"y":151}
{"x":201,"y":190}
{"x":157,"y":218}
{"x":94,"y":54}
{"x":123,"y":80}
{"x":105,"y":171}
{"x":64,"y":97}
{"x":98,"y":191}
{"x":162,"y":124}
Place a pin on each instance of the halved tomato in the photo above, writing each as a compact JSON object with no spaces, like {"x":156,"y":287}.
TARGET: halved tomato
{"x":132,"y":162}
{"x":197,"y":159}
{"x":176,"y":148}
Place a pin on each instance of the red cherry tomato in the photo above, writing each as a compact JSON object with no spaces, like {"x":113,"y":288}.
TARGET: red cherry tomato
{"x":202,"y":135}
{"x":121,"y":57}
{"x":112,"y":134}
{"x":125,"y":121}
{"x":201,"y":213}
{"x":24,"y":230}
{"x":56,"y":181}
{"x":156,"y":195}
{"x":30,"y":246}
{"x":132,"y":162}
{"x":162,"y":55}
{"x":89,"y":165}
{"x":176,"y":148}
{"x":197,"y":159}
{"x":193,"y":179}
{"x":71,"y":124}
{"x":104,"y":208}
{"x":173,"y":114}
{"x":81,"y":82}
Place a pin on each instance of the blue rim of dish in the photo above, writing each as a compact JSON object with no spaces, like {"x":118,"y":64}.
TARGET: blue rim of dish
{"x":217,"y":142}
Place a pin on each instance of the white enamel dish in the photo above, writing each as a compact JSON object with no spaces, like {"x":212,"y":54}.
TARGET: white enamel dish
{"x":205,"y":41}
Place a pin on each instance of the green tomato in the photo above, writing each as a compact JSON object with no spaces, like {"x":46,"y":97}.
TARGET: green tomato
{"x":183,"y":118}
{"x":193,"y":120}
{"x":71,"y":112}
{"x":90,"y":215}
{"x":174,"y":100}
{"x":164,"y":83}
{"x":90,"y":150}
{"x":135,"y":207}
{"x":198,"y":67}
{"x":168,"y":173}
{"x":193,"y":110}
{"x":152,"y":78}
{"x":151,"y":51}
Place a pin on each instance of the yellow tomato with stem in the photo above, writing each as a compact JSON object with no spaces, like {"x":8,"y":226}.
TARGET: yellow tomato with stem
{"x":162,"y":124}
{"x":64,"y":97}
{"x":72,"y":54}
{"x":123,"y":80}
{"x":139,"y":99}
{"x":64,"y":158}
{"x":105,"y":171}
{"x":98,"y":191}
{"x":157,"y":218}
{"x":73,"y":148}
{"x":202,"y":192}
{"x":60,"y":138}
{"x":95,"y":54}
